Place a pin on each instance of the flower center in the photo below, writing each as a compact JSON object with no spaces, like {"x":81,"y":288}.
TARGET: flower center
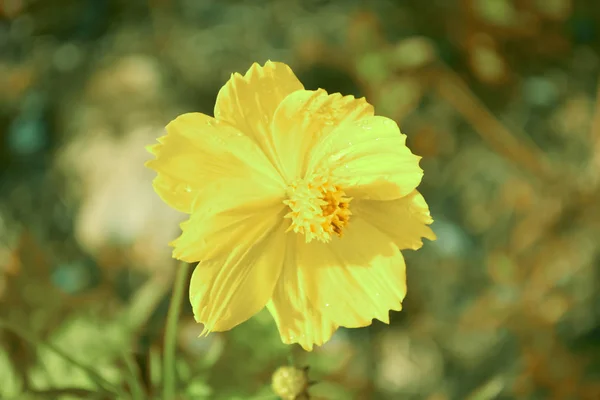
{"x":318,"y":208}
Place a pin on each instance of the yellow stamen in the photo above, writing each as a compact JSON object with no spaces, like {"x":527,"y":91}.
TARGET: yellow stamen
{"x":318,"y":208}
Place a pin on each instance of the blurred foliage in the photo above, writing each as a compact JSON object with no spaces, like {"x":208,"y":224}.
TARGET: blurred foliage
{"x":498,"y":96}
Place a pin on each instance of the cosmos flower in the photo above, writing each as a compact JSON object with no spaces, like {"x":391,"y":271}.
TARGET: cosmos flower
{"x":299,"y":200}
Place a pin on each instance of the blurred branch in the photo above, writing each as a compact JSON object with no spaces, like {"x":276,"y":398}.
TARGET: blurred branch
{"x":522,"y":151}
{"x":488,"y":391}
{"x":76,"y":392}
{"x":159,"y":17}
{"x":133,"y":378}
{"x":102,"y":383}
{"x":595,"y":139}
{"x":145,"y":301}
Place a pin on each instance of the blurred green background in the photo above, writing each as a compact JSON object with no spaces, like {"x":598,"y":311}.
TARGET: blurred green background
{"x":498,"y":96}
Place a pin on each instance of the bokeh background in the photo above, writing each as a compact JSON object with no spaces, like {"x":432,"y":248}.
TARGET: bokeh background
{"x":498,"y":96}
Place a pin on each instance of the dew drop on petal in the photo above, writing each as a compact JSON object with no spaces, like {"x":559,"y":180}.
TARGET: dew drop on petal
{"x":182,"y":187}
{"x":334,"y":158}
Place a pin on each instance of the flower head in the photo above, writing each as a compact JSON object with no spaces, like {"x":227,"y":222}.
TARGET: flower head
{"x":299,"y":201}
{"x":290,"y":383}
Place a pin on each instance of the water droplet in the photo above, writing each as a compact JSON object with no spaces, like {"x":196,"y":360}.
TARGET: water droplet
{"x":335,"y":158}
{"x":182,"y":187}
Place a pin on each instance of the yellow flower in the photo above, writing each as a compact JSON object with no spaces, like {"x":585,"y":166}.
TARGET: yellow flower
{"x":299,"y":201}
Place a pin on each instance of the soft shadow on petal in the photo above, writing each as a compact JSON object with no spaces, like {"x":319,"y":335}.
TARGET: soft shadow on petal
{"x":226,"y":221}
{"x":198,"y":152}
{"x":369,"y":159}
{"x":249,"y":102}
{"x":404,"y":220}
{"x":231,"y":287}
{"x":305,"y":117}
{"x":355,"y":278}
{"x":297,"y":320}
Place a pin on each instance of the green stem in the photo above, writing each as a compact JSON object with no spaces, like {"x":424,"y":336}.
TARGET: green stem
{"x":169,"y":375}
{"x":133,"y":378}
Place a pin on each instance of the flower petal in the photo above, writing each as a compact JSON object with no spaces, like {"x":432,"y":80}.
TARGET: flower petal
{"x":199,"y":151}
{"x":369,"y":159}
{"x":356,"y":278}
{"x":226,"y":221}
{"x":297,"y":320}
{"x":306,"y":116}
{"x":249,"y":102}
{"x":404,"y":220}
{"x":231,"y":286}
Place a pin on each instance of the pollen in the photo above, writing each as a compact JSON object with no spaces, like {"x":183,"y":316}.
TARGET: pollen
{"x":319,"y":209}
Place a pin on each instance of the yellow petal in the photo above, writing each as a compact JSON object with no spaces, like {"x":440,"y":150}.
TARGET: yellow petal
{"x":304,"y":117}
{"x":197,"y":153}
{"x":249,"y":102}
{"x":355,"y":278}
{"x":404,"y":220}
{"x":369,"y":159}
{"x":235,"y":218}
{"x":297,"y":320}
{"x":230,"y":287}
